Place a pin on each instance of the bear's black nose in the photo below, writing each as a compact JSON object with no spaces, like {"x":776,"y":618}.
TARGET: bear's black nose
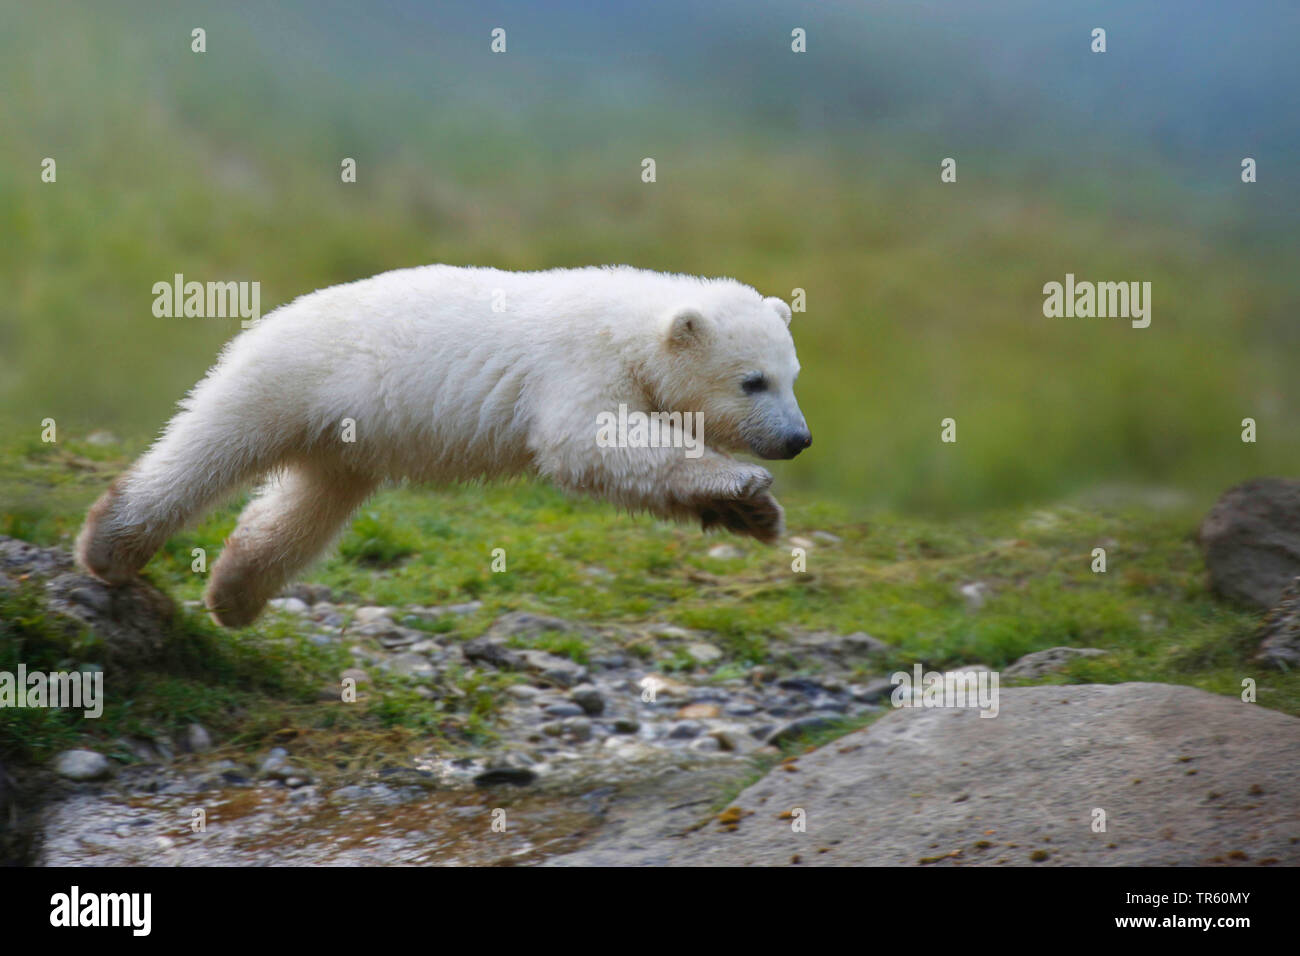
{"x":797,"y":443}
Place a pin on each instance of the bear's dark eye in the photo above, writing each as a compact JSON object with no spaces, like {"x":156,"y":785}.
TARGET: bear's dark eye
{"x":754,"y":383}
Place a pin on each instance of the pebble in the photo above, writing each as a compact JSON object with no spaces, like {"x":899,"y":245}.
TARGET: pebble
{"x":589,"y":699}
{"x":872,"y":691}
{"x":704,"y":653}
{"x":371,"y":615}
{"x":82,"y":765}
{"x":292,"y":605}
{"x":197,"y":739}
{"x":699,"y":711}
{"x":412,"y":665}
{"x":975,"y":594}
{"x":565,"y":710}
{"x":579,"y":728}
{"x":685,"y":730}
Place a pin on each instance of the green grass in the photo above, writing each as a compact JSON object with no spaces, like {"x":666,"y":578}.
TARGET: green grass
{"x":894,"y":576}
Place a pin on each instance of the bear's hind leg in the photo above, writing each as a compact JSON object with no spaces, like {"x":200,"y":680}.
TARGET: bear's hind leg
{"x":199,"y":459}
{"x":291,"y":521}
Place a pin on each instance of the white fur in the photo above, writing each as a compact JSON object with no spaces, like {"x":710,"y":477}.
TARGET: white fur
{"x":443,"y":387}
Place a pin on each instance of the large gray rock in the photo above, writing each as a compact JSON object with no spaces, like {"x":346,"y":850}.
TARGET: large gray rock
{"x":1184,"y":777}
{"x":1251,"y":539}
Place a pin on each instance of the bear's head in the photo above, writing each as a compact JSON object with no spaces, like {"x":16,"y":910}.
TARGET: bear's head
{"x":732,"y":360}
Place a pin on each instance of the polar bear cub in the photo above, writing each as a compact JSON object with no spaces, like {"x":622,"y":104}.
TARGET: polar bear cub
{"x":442,"y":373}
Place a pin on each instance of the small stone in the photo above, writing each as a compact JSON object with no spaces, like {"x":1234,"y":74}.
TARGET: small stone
{"x":292,"y":605}
{"x":975,"y":594}
{"x":671,"y":631}
{"x":626,"y":725}
{"x":699,"y":711}
{"x":371,"y":615}
{"x":578,"y":728}
{"x":356,"y":674}
{"x":82,"y":765}
{"x":704,"y":653}
{"x":725,"y":552}
{"x":800,"y":685}
{"x":502,"y":776}
{"x":709,"y":695}
{"x":561,"y":670}
{"x":564,"y":709}
{"x":491,"y":650}
{"x":412,"y":665}
{"x":872,"y":691}
{"x":705,"y":745}
{"x":860,"y":642}
{"x":804,"y":543}
{"x":391,"y":638}
{"x":197,"y":739}
{"x":1040,"y":663}
{"x":684,"y":730}
{"x":589,"y":699}
{"x":276,"y":766}
{"x":826,"y":537}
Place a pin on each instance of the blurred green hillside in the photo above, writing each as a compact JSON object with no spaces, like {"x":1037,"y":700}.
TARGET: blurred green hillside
{"x":924,"y":299}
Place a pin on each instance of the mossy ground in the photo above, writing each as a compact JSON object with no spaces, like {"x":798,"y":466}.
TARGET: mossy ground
{"x":894,"y":576}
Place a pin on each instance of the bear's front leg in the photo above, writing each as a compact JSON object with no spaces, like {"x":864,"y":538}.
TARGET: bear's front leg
{"x":735,"y":495}
{"x":710,"y":487}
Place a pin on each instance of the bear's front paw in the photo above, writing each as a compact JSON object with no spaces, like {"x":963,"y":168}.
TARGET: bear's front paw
{"x":749,"y":481}
{"x":759,"y":516}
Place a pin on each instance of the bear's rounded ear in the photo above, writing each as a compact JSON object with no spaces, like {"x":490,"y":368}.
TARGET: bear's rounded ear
{"x":782,"y":309}
{"x":688,"y":327}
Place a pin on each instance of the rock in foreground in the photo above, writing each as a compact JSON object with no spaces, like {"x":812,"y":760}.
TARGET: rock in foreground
{"x":1184,"y":777}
